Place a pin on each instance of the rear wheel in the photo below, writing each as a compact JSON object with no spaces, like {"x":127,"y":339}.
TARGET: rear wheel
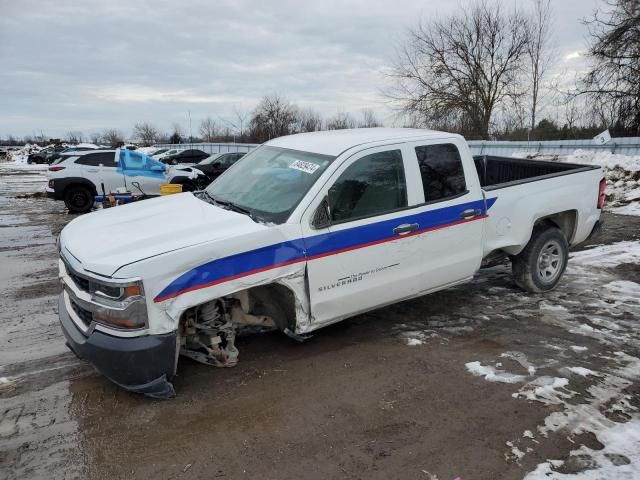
{"x":539,"y":267}
{"x":78,"y":199}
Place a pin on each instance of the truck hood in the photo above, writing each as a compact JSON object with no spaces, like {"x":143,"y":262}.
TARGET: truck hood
{"x":106,"y":240}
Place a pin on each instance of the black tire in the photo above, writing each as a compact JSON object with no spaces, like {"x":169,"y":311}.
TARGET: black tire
{"x":78,"y":199}
{"x":540,"y":266}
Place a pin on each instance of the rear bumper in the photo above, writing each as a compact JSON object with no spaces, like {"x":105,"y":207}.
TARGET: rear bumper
{"x":597,"y":227}
{"x":138,"y":364}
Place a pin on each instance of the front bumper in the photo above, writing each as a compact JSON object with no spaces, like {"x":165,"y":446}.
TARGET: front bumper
{"x":139,"y":364}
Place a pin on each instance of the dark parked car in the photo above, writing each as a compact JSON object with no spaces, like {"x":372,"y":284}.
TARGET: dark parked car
{"x":217,"y":163}
{"x":42,"y":155}
{"x":185,"y":156}
{"x":55,"y":155}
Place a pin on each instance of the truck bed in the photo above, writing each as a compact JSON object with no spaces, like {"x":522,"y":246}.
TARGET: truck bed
{"x":500,"y":172}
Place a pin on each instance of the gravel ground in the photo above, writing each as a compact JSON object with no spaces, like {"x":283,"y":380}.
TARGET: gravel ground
{"x":481,"y":381}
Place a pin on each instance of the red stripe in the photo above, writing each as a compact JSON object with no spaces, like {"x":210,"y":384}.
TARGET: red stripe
{"x":315,"y":257}
{"x":228,"y":279}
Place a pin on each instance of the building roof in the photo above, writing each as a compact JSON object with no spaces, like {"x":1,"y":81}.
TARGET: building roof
{"x":334,"y":142}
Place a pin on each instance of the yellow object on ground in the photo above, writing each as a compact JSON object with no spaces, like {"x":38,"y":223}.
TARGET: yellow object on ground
{"x":170,"y":188}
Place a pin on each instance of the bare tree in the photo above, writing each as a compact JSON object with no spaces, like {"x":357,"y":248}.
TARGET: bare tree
{"x":369,"y":119}
{"x":456,"y":71}
{"x":177,"y":134}
{"x":241,"y":120}
{"x":273,"y":117}
{"x":208,"y":129}
{"x":340,"y":121}
{"x":539,"y":51}
{"x":308,"y":120}
{"x":513,"y":117}
{"x":612,"y":80}
{"x":74,"y":137}
{"x":112,"y":137}
{"x":571,"y":112}
{"x":95,"y":137}
{"x":40,"y":138}
{"x":145,"y":132}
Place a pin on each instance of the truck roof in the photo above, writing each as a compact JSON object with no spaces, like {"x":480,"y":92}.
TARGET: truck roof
{"x":334,"y":142}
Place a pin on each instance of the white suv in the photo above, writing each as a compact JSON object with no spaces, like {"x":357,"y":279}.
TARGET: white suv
{"x":80,"y":178}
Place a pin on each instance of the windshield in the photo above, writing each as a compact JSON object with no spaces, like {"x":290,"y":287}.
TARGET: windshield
{"x":269,"y":182}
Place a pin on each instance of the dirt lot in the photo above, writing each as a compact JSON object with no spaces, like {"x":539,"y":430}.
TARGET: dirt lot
{"x":479,"y":382}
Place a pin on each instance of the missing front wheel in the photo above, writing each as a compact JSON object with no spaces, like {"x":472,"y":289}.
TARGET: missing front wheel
{"x":208,"y":336}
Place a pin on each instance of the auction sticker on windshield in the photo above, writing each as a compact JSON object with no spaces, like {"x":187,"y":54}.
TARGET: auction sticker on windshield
{"x":307,"y":167}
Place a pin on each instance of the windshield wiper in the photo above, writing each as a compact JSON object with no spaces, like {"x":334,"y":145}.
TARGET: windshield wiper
{"x":232,"y":206}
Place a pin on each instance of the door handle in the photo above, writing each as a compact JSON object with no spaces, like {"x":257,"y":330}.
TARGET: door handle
{"x":406,"y":228}
{"x":470,"y":213}
{"x":92,"y":169}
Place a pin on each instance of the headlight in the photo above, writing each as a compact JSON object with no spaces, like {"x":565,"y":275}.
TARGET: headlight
{"x":124,"y":304}
{"x":115,"y":294}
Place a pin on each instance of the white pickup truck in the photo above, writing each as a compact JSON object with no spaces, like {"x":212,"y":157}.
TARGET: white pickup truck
{"x":305,"y":231}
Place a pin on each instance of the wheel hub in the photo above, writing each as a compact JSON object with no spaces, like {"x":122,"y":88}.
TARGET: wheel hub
{"x":550,"y":262}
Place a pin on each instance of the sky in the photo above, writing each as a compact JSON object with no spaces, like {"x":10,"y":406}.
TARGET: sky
{"x":89,"y":65}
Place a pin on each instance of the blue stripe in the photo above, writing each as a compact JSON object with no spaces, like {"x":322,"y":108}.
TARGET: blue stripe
{"x":292,"y":251}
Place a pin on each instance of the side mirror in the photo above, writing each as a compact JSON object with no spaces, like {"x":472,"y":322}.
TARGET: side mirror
{"x":322,"y":216}
{"x":157,"y":168}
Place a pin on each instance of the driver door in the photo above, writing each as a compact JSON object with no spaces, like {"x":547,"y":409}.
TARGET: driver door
{"x":367,"y":256}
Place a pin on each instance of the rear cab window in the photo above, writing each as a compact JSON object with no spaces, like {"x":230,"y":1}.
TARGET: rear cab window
{"x":441,"y":172}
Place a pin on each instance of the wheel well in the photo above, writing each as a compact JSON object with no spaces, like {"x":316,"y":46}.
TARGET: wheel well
{"x":84,"y":184}
{"x":272,"y":304}
{"x":274,"y":299}
{"x":565,"y":221}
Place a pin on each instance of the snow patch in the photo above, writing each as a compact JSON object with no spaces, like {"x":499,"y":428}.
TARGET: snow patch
{"x":608,"y":255}
{"x":607,"y":160}
{"x":492,"y":374}
{"x":620,"y":457}
{"x":583,"y":372}
{"x":544,"y":389}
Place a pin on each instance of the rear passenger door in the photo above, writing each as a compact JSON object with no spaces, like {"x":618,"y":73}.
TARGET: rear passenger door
{"x":369,"y":255}
{"x":451,"y":215}
{"x":100,"y":168}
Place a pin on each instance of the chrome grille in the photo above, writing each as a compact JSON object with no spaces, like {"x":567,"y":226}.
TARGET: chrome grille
{"x":81,"y":282}
{"x":85,"y":315}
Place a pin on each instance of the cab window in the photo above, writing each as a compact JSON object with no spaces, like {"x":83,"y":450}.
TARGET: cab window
{"x":373,"y":185}
{"x":106,"y":159}
{"x":441,"y":171}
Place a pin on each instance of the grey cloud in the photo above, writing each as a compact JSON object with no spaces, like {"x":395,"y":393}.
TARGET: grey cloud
{"x":95,"y":64}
